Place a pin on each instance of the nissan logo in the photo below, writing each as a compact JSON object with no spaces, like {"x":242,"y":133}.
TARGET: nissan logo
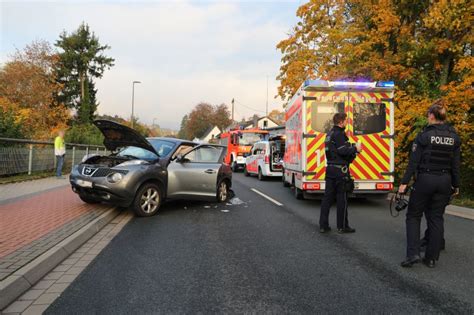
{"x":88,"y":171}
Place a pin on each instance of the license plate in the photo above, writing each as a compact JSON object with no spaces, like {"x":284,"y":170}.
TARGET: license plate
{"x":84,"y":183}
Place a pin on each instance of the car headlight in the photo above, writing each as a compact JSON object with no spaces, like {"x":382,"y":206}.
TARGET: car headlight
{"x":114,"y":178}
{"x":133,"y":162}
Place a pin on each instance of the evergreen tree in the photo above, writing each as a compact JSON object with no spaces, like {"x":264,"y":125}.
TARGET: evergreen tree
{"x":81,"y":61}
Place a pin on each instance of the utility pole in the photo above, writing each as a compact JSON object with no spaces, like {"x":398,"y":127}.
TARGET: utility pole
{"x":232,"y":110}
{"x":266,"y":108}
{"x":133,"y":99}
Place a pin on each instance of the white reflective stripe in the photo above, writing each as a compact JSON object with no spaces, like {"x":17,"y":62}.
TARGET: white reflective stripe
{"x":267,"y":197}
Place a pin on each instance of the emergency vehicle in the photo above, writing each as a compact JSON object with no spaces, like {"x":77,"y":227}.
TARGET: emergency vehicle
{"x":239,"y":142}
{"x":266,"y":158}
{"x":370,"y":112}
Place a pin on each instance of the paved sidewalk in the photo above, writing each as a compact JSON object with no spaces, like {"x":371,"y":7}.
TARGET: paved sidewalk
{"x":36,"y":216}
{"x":42,"y":295}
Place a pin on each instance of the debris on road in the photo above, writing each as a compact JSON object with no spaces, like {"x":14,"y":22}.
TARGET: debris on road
{"x":236,"y":201}
{"x":224,"y":210}
{"x":207,"y":207}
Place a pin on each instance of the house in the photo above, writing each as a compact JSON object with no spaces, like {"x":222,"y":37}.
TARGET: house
{"x":210,"y":134}
{"x":260,"y":122}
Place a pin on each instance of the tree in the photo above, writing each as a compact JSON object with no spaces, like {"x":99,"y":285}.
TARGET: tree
{"x":28,"y":86}
{"x":183,"y":133}
{"x":424,"y":46}
{"x":81,"y":61}
{"x":10,"y":127}
{"x":202,"y":117}
{"x":277,"y":116}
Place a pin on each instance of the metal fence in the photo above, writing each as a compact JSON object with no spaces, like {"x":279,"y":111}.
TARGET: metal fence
{"x":19,"y":156}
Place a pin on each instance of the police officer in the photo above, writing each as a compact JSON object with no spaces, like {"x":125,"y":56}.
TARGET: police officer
{"x":435,"y":158}
{"x":339,"y":154}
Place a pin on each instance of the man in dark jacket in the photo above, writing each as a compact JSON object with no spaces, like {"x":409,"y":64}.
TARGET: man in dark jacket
{"x":435,"y":158}
{"x":339,"y":154}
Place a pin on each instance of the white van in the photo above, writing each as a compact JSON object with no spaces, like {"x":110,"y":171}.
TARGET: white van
{"x":266,"y":158}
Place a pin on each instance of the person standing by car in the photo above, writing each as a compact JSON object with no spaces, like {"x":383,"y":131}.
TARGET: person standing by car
{"x":435,"y":157}
{"x":339,"y":154}
{"x":59,"y":152}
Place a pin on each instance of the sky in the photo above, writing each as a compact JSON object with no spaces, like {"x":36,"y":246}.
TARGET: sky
{"x":182,"y":52}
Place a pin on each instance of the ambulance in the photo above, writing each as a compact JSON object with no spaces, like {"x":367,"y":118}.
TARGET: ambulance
{"x":238,"y":143}
{"x":370,"y":112}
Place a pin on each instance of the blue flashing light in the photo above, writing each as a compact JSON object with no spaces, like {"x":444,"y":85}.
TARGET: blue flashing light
{"x":317,"y":83}
{"x":386,"y":84}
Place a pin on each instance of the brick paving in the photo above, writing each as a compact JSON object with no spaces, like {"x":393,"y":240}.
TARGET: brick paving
{"x":42,"y":295}
{"x":32,"y":224}
{"x":14,"y":191}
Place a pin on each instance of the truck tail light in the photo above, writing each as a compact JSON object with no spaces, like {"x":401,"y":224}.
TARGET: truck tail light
{"x":267,"y":159}
{"x":384,"y":186}
{"x":311,"y":186}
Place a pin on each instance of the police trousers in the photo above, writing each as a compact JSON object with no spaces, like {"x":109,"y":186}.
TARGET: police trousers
{"x":334,"y":191}
{"x":430,"y":196}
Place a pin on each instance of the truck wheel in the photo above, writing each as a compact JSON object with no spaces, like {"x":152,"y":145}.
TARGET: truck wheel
{"x":88,"y":199}
{"x":285,"y":183}
{"x":260,"y":175}
{"x":246,"y":173}
{"x":298,"y":194}
{"x":147,"y":200}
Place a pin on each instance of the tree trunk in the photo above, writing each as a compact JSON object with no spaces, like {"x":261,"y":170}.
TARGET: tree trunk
{"x":445,"y":70}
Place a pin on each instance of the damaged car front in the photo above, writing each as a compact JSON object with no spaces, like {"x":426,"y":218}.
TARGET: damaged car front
{"x":131,"y":176}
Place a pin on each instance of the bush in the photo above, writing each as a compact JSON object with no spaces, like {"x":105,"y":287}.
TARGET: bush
{"x":9,"y":128}
{"x":84,"y":134}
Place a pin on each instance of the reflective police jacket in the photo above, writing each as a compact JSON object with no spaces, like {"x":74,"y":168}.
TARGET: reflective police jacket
{"x":437,"y":149}
{"x":338,"y":149}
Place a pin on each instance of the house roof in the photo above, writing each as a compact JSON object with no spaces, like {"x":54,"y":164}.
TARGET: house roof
{"x":208,"y":131}
{"x":250,"y":122}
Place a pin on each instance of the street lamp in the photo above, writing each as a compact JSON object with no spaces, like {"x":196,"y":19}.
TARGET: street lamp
{"x":133,"y":98}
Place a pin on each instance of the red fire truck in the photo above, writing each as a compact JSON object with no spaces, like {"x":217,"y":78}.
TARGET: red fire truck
{"x":239,"y":142}
{"x":370,"y":111}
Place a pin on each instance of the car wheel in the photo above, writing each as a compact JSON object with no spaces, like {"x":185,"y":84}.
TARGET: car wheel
{"x":246,"y":173}
{"x":88,"y":199}
{"x":298,"y":193}
{"x":260,"y":175}
{"x":222,"y":191}
{"x":147,"y":200}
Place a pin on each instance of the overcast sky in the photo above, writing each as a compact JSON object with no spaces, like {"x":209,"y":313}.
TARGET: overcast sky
{"x":183,"y":52}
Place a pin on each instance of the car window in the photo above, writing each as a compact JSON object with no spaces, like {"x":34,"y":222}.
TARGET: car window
{"x":182,"y":150}
{"x":204,"y":154}
{"x":138,"y":153}
{"x":162,"y":147}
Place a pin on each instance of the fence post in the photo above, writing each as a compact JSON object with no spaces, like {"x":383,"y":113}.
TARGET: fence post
{"x":87,"y":150}
{"x":30,"y":159}
{"x":73,"y":155}
{"x":97,"y":151}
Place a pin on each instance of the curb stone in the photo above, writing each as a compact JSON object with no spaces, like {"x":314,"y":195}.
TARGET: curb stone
{"x":23,"y":279}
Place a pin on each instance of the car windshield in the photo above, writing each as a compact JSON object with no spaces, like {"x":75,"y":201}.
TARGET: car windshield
{"x":138,"y":153}
{"x":163,"y":147}
{"x":249,"y":138}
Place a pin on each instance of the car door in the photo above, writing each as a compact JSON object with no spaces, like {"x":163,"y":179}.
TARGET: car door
{"x":195,"y":173}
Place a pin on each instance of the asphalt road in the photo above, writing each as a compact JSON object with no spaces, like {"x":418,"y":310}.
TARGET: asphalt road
{"x":263,"y":258}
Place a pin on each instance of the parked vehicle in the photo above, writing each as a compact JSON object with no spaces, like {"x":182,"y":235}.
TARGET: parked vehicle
{"x":143,"y":172}
{"x":370,"y":111}
{"x":265,"y":159}
{"x":238,"y":143}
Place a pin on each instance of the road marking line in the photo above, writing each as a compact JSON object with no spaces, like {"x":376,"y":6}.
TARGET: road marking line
{"x":267,"y":197}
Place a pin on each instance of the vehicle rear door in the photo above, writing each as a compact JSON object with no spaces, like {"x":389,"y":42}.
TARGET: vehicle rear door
{"x":195,"y":173}
{"x":369,"y":115}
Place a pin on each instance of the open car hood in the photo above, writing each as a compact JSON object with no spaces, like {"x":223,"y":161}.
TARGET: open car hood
{"x":118,"y":136}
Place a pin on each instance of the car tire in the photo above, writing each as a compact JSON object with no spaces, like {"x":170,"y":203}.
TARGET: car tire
{"x":222,"y":194}
{"x":88,"y":199}
{"x":299,"y":194}
{"x":147,"y":201}
{"x":246,"y":173}
{"x":260,"y":175}
{"x":234,"y":167}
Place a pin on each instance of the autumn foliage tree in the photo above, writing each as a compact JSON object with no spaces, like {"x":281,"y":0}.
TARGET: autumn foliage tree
{"x":27,"y":89}
{"x":203,"y":116}
{"x":424,"y":46}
